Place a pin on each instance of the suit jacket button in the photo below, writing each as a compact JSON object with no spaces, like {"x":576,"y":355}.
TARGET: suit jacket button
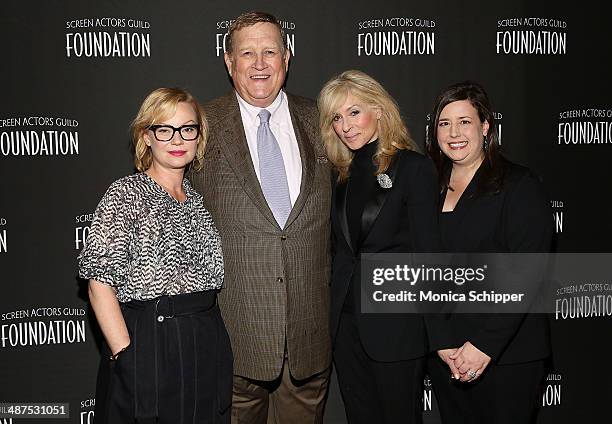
{"x":279,"y":280}
{"x":283,"y":237}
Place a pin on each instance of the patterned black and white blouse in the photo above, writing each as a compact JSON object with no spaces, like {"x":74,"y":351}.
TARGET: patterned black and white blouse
{"x":146,"y":244}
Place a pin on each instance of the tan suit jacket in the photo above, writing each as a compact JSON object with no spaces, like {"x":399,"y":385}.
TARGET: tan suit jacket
{"x":276,"y":288}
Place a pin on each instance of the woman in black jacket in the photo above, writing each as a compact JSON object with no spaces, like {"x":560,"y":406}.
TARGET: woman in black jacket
{"x":384,"y":201}
{"x":488,"y":204}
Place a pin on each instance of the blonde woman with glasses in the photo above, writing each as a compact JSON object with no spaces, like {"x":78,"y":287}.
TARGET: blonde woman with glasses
{"x":154,"y":263}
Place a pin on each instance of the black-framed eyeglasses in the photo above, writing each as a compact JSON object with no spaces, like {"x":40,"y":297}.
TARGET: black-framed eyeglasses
{"x":188,"y":132}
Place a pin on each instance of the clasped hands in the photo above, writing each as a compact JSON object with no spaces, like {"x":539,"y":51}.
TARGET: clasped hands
{"x":464,"y":359}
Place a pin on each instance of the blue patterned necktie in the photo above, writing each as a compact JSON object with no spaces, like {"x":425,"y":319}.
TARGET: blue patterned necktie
{"x":272,"y":175}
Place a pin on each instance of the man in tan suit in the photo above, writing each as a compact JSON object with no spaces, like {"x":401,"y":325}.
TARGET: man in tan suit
{"x":272,"y":210}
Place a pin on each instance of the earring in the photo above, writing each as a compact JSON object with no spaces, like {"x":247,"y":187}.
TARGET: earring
{"x":485,"y":144}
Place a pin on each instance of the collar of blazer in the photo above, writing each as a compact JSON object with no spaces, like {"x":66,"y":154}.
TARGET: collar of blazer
{"x":235,"y":147}
{"x":370,"y":210}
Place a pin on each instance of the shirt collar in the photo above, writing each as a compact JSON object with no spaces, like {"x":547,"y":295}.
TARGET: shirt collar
{"x":252,"y":112}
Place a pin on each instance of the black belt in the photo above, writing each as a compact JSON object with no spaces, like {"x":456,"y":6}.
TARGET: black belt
{"x":155,"y":312}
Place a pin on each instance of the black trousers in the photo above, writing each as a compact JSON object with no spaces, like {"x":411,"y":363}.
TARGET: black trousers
{"x":504,"y":394}
{"x":177,"y":369}
{"x":373,"y":391}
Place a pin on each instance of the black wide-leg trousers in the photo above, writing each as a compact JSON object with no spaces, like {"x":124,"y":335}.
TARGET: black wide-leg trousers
{"x":374,"y":391}
{"x":177,"y":369}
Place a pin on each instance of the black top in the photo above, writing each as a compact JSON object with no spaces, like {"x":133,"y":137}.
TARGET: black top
{"x":446,"y":223}
{"x":361,"y":187}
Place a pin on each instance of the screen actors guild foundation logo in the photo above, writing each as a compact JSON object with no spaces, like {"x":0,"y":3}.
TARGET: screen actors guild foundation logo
{"x":223,"y":26}
{"x":3,"y":236}
{"x":557,"y":206}
{"x":51,"y":325}
{"x":39,"y":136}
{"x":398,"y":36}
{"x":585,"y":126}
{"x":108,"y":37}
{"x":531,"y":36}
{"x":583,"y":300}
{"x":81,"y":231}
{"x":552,"y":390}
{"x":87,"y":411}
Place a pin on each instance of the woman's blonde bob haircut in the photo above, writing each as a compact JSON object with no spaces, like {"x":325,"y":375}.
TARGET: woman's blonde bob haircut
{"x":392,"y":133}
{"x":160,"y":105}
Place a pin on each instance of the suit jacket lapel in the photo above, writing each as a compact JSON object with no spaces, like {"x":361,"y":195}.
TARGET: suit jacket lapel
{"x":341,"y":190}
{"x":307,"y":156}
{"x":374,"y":205}
{"x":237,"y":153}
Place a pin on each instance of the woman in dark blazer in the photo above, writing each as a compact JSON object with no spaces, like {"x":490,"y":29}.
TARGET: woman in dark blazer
{"x":384,"y":201}
{"x":488,"y":204}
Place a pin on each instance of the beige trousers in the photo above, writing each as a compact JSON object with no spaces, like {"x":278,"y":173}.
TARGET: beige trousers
{"x":281,"y":401}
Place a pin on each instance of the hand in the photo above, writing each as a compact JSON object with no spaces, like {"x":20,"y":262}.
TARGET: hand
{"x":469,"y":358}
{"x":445,"y":354}
{"x":116,"y":352}
{"x":104,"y":302}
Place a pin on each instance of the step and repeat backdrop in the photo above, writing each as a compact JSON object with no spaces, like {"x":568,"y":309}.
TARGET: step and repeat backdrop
{"x":75,"y":72}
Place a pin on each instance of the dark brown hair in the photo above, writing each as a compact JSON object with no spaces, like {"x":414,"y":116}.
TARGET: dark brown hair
{"x":492,"y":167}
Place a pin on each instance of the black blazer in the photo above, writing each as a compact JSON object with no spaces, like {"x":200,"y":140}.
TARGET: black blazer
{"x":518,"y":219}
{"x":403,"y":218}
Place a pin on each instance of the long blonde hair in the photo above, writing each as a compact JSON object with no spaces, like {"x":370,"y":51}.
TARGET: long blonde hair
{"x":160,"y":105}
{"x":392,"y":132}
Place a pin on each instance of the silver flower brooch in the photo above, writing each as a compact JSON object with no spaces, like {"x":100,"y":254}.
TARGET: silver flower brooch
{"x":384,"y":181}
